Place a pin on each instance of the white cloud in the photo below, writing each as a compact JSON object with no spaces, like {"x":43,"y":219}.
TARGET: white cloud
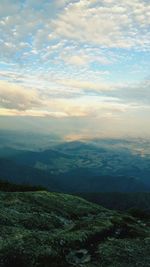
{"x":76,"y":60}
{"x":31,"y":113}
{"x":87,"y":85}
{"x":104,"y":23}
{"x":20,"y":101}
{"x":110,"y":24}
{"x":13,"y":96}
{"x":66,"y":58}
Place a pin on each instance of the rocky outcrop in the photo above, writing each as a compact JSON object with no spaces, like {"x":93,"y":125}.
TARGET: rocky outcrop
{"x":78,"y":257}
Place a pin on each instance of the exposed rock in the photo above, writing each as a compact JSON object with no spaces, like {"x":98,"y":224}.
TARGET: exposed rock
{"x":78,"y":257}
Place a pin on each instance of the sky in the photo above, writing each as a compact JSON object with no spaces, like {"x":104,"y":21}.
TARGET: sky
{"x":79,"y":68}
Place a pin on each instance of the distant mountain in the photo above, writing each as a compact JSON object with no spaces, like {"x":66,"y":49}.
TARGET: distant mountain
{"x":21,"y":174}
{"x":72,"y":156}
{"x":75,"y":181}
{"x":7,"y":152}
{"x":120,"y":201}
{"x":91,"y":166}
{"x":78,"y":147}
{"x":28,"y":140}
{"x":82,"y":181}
{"x":46,"y":157}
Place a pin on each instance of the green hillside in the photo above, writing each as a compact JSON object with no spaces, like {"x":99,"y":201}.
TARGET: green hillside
{"x":42,"y":229}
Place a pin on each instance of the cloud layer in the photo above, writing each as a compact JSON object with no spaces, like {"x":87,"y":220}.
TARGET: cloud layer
{"x":76,"y":59}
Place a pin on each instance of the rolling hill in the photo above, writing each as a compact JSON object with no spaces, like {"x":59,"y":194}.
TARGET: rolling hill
{"x":89,"y":166}
{"x":22,"y":174}
{"x":98,"y":158}
{"x":79,"y":180}
{"x":120,"y":201}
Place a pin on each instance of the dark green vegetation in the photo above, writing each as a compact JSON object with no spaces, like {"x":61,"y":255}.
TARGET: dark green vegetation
{"x":42,"y":229}
{"x":6,"y":186}
{"x":121,"y":201}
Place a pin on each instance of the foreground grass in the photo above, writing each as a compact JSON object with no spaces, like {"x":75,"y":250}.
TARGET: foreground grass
{"x":42,"y":229}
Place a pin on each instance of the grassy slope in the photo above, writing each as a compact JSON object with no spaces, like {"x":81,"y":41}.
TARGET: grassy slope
{"x":56,"y":230}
